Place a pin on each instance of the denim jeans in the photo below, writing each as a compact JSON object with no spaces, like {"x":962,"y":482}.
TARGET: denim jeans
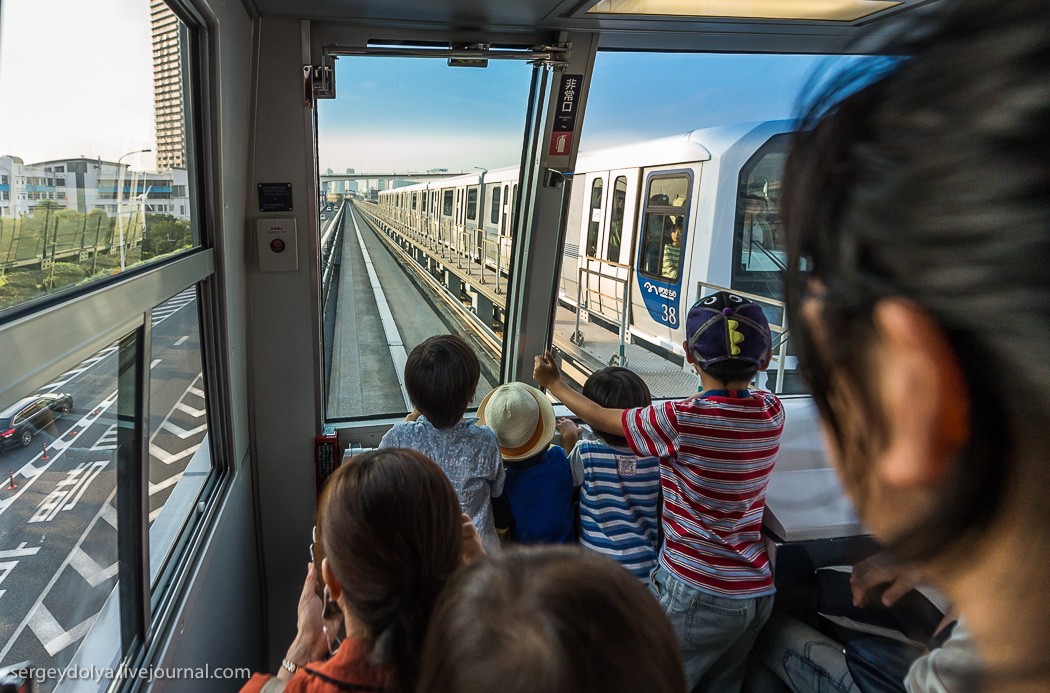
{"x":716,"y":634}
{"x":804,"y":658}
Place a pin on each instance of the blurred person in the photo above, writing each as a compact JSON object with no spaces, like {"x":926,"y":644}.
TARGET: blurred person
{"x":918,"y":277}
{"x":556,"y":619}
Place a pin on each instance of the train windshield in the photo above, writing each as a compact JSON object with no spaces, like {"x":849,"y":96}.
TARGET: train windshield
{"x":404,"y":129}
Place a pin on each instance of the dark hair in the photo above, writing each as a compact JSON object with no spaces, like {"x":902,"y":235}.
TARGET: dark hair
{"x":617,"y":388}
{"x":441,"y":375}
{"x":557,"y":619}
{"x":390,"y":523}
{"x":731,"y":370}
{"x":931,"y":184}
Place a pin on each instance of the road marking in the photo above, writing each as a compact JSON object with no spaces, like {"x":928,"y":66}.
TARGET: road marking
{"x":68,"y":491}
{"x":166,"y":457}
{"x":170,"y":481}
{"x":155,"y":514}
{"x":182,"y":432}
{"x":153,"y":363}
{"x":50,"y":633}
{"x":19,"y":552}
{"x":108,"y":440}
{"x":195,"y":413}
{"x":182,"y":340}
{"x":197,"y":391}
{"x":39,"y":602}
{"x":109,"y":514}
{"x":89,"y":568}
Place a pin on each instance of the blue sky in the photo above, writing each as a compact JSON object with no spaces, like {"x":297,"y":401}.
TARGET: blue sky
{"x":414,"y":114}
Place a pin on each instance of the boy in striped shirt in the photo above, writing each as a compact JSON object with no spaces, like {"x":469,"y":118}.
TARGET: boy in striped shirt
{"x":619,"y":491}
{"x":716,"y":452}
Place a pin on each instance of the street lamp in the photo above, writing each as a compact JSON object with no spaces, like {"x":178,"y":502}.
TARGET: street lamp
{"x":120,"y":199}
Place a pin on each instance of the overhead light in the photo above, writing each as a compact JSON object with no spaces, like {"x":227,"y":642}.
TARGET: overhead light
{"x":826,"y":10}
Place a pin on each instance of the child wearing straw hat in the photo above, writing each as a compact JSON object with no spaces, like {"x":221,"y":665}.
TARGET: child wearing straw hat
{"x":539,"y":483}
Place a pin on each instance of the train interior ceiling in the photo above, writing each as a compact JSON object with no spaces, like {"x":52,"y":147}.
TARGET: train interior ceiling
{"x":210,"y":574}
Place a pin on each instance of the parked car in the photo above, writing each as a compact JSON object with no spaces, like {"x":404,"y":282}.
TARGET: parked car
{"x":30,"y":415}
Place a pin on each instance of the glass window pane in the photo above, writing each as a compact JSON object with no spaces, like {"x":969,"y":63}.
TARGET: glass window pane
{"x":619,"y":202}
{"x":179,"y":459}
{"x":661,"y":257}
{"x":58,"y":517}
{"x":406,"y":276}
{"x":596,"y":218}
{"x":106,"y":186}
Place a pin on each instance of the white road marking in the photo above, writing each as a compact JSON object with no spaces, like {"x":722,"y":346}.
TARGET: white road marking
{"x":39,"y":602}
{"x":109,"y":514}
{"x":19,"y":552}
{"x":170,"y":481}
{"x":89,"y":568}
{"x":166,"y":457}
{"x":68,"y":491}
{"x":182,"y":432}
{"x":195,"y":413}
{"x":182,"y":340}
{"x":50,"y":633}
{"x":155,"y":514}
{"x":153,"y":363}
{"x":108,"y":440}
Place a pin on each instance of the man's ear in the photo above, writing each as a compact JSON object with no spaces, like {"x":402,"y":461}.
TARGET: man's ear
{"x":923,"y":393}
{"x":335,"y":589}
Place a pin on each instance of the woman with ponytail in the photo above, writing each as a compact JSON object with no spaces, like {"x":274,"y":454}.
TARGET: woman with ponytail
{"x":391,"y":533}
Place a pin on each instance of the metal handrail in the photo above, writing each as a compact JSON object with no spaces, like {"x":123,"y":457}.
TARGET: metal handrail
{"x":577,"y":336}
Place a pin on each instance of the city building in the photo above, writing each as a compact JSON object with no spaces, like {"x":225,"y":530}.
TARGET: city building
{"x":168,"y":98}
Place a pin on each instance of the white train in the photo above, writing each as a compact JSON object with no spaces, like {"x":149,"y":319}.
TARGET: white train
{"x":647,"y":223}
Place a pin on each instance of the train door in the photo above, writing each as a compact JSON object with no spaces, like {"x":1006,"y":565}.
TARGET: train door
{"x":592,"y":225}
{"x":614,"y":243}
{"x":659,"y":257}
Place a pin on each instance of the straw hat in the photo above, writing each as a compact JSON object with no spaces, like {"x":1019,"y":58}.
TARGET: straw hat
{"x":521,"y":417}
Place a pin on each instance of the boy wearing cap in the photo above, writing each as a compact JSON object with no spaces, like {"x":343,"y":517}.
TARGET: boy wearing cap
{"x":539,"y":483}
{"x":716,"y":452}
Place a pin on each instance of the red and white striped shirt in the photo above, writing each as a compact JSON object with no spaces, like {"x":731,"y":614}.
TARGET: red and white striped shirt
{"x":716,"y":453}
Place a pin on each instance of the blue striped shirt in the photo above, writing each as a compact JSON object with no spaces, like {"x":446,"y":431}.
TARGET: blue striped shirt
{"x":619,"y":503}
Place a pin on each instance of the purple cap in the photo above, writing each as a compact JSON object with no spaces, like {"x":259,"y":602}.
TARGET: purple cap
{"x":724,"y":326}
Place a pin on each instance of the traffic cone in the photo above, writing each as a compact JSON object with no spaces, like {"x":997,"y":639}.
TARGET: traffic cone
{"x":11,"y":486}
{"x":45,"y":456}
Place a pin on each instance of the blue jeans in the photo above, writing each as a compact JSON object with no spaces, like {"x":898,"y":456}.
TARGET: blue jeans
{"x":804,"y":658}
{"x":716,"y":634}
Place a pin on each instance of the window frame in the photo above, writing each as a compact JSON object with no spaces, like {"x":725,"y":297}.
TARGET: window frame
{"x":665,"y":210}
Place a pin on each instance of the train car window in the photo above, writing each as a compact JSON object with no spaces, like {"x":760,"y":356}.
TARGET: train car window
{"x":84,"y":206}
{"x":112,"y":193}
{"x":595,"y":224}
{"x":663,"y":227}
{"x":759,"y":245}
{"x":179,"y":457}
{"x":494,"y":212}
{"x":472,"y":203}
{"x":619,"y":202}
{"x":421,"y":278}
{"x":506,"y":204}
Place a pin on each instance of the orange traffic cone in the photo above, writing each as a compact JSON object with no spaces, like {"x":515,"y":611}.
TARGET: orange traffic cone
{"x":11,"y":486}
{"x":45,"y":456}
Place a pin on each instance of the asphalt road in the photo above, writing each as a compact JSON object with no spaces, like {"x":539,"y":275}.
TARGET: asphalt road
{"x":58,"y":540}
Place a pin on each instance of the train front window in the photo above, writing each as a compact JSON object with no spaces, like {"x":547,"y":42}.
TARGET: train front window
{"x":760,"y":247}
{"x":402,"y":276}
{"x":664,"y":227}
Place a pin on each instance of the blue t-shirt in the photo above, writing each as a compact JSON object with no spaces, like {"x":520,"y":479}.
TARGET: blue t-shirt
{"x":540,"y":498}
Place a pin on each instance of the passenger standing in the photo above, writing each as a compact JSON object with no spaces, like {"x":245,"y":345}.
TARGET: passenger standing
{"x":441,"y":375}
{"x":539,"y":487}
{"x":620,"y":491}
{"x":716,"y":451}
